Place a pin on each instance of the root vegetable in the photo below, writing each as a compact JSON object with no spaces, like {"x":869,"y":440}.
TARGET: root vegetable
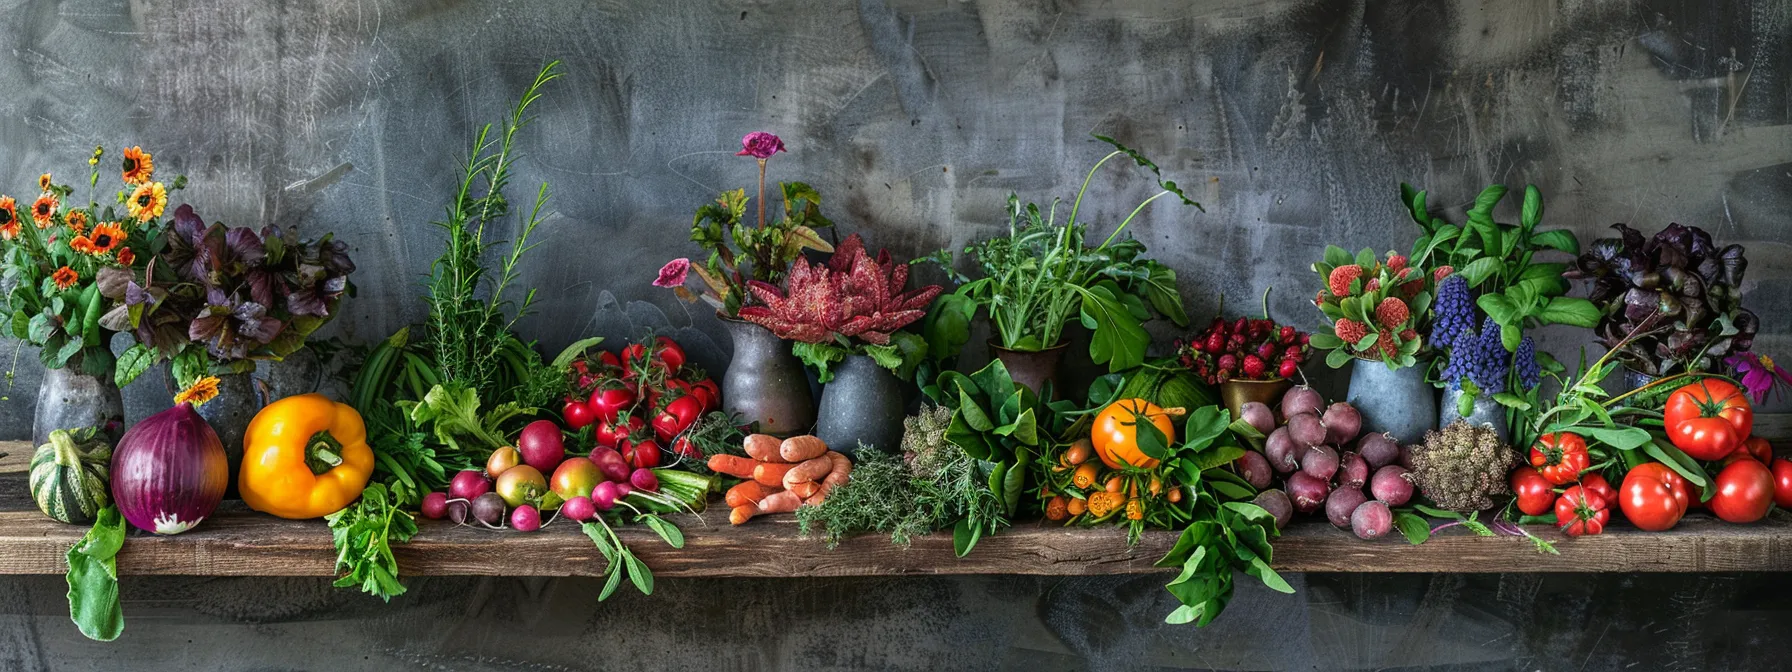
{"x":771,"y":474}
{"x":839,"y":471}
{"x":810,"y":471}
{"x":579,"y":508}
{"x":1353,"y":471}
{"x":1280,"y":450}
{"x":1076,"y":507}
{"x":732,"y":465}
{"x":1371,"y":520}
{"x":1307,"y":491}
{"x":1389,"y":485}
{"x":643,"y":479}
{"x":604,"y":495}
{"x":1277,"y":504}
{"x":468,"y":484}
{"x":1254,"y":467}
{"x":782,"y":501}
{"x":763,"y":447}
{"x":1301,"y":399}
{"x":435,"y":505}
{"x":623,"y":489}
{"x":1342,"y":423}
{"x":801,"y":448}
{"x":1306,"y":429}
{"x":489,"y":509}
{"x":525,"y":519}
{"x":1057,"y":509}
{"x":611,"y":463}
{"x":1320,"y":462}
{"x":541,"y":445}
{"x":458,"y":511}
{"x":1258,"y":415}
{"x":741,"y":514}
{"x":1085,"y":474}
{"x":1079,"y":451}
{"x":1341,"y":504}
{"x":748,"y":492}
{"x":1378,"y":449}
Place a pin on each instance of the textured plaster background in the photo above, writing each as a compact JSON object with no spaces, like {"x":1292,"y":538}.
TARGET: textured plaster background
{"x":1292,"y":122}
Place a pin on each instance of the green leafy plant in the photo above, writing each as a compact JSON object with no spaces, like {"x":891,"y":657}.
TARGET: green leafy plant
{"x":1042,"y":275}
{"x":1002,"y":425}
{"x":621,"y":561}
{"x":1499,"y":261}
{"x":452,"y":414}
{"x":363,"y":534}
{"x":93,"y":578}
{"x":1226,"y":537}
{"x":1378,"y":310}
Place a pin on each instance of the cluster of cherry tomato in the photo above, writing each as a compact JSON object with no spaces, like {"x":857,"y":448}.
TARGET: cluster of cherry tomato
{"x":641,"y":400}
{"x":1711,"y":421}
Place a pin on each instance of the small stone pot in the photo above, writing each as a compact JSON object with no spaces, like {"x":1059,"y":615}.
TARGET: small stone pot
{"x":1237,"y":392}
{"x":1485,"y":411}
{"x":1032,"y":368}
{"x":1397,"y":401}
{"x":69,"y":399}
{"x":764,"y":383}
{"x":862,"y":406}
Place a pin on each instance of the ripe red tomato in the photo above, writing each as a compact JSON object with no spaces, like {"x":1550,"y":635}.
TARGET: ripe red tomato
{"x":669,"y":353}
{"x":715,"y":393}
{"x":611,"y":434}
{"x":683,"y":448}
{"x":609,"y":359}
{"x":577,"y":414}
{"x":1744,"y":492}
{"x":642,"y":454}
{"x":678,"y":416}
{"x":1581,"y":512}
{"x":1560,"y":457}
{"x":1535,"y":494}
{"x":1597,"y":484}
{"x":1708,"y":419}
{"x":609,"y":401}
{"x":1782,"y":482}
{"x":1653,"y":497}
{"x":1756,"y":447}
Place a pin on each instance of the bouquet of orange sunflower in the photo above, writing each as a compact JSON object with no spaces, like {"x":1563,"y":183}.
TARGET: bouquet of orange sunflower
{"x":52,"y":252}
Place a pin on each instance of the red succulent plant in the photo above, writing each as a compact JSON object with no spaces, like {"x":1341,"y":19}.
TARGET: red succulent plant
{"x":853,"y":295}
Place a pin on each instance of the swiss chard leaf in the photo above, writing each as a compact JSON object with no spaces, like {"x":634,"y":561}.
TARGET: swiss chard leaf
{"x":93,"y":578}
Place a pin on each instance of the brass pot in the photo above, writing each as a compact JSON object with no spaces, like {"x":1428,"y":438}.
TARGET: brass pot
{"x":1235,"y":392}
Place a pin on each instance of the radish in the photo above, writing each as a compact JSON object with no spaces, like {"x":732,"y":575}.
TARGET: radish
{"x":623,"y":490}
{"x":604,"y":495}
{"x":643,"y":479}
{"x":1254,"y":467}
{"x":541,"y":445}
{"x":1308,"y":492}
{"x":1371,"y":520}
{"x":579,"y":508}
{"x":1378,"y":449}
{"x":1306,"y":429}
{"x":435,"y":505}
{"x":1341,"y":504}
{"x":1353,"y":471}
{"x":468,"y":484}
{"x":1277,"y":504}
{"x":1389,"y":485}
{"x":611,"y":464}
{"x":525,"y":518}
{"x":1280,"y":450}
{"x":458,"y":511}
{"x":1301,"y":399}
{"x":489,"y":509}
{"x":1320,"y":462}
{"x":1258,"y":415}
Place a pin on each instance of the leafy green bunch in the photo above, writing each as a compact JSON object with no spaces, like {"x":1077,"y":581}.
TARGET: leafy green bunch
{"x":739,"y":252}
{"x":1003,"y":426}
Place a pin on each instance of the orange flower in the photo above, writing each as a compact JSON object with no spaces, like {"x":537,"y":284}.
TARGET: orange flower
{"x":44,"y":210}
{"x":138,"y":166}
{"x":65,"y":277}
{"x":9,"y":218}
{"x":76,"y":221}
{"x":105,"y":237}
{"x":126,"y":256}
{"x":81,"y":244}
{"x":148,"y":201}
{"x":43,"y":182}
{"x":201,"y":391}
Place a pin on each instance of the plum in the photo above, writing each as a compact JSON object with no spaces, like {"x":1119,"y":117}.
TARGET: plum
{"x":1255,"y":469}
{"x":1389,"y":485}
{"x":1277,"y":504}
{"x":1306,"y":429}
{"x":1353,"y":471}
{"x":435,"y":505}
{"x":1301,"y":399}
{"x":1308,"y":492}
{"x":1281,"y":451}
{"x":1258,"y":415}
{"x":1341,"y":503}
{"x":1371,"y":520}
{"x":1378,"y":449}
{"x":1342,"y":423}
{"x":1320,"y":462}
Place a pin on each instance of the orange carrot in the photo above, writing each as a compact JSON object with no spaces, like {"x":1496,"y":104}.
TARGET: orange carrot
{"x":748,"y":492}
{"x":783,"y":501}
{"x":732,"y":465}
{"x":800,"y":448}
{"x":805,"y":489}
{"x":809,"y":471}
{"x":742,"y":514}
{"x":763,"y":447}
{"x":771,"y":474}
{"x":840,"y":469}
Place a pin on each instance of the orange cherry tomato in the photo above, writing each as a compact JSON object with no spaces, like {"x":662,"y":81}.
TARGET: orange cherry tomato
{"x":1116,"y":436}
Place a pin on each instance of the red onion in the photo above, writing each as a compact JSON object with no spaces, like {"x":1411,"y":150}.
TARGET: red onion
{"x":169,"y":471}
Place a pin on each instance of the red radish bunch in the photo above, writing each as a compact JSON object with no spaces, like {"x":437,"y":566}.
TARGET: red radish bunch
{"x":641,"y":400}
{"x":1244,"y":349}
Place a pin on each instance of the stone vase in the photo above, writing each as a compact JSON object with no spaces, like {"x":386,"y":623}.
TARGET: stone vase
{"x":862,"y":406}
{"x":229,"y":414}
{"x":1484,"y":411}
{"x":1397,"y":401}
{"x":69,"y":399}
{"x":764,"y":383}
{"x":1032,"y":368}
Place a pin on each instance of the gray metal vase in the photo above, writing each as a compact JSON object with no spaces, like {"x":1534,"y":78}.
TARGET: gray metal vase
{"x":69,"y":399}
{"x":1398,"y":402}
{"x":863,"y":404}
{"x":1485,"y":411}
{"x":765,"y":383}
{"x":229,"y":414}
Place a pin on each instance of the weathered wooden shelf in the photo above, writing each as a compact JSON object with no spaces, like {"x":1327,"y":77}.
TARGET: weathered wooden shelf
{"x":237,"y":542}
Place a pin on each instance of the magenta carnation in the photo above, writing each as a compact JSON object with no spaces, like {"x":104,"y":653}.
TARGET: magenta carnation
{"x":760,"y":145}
{"x":673,"y":273}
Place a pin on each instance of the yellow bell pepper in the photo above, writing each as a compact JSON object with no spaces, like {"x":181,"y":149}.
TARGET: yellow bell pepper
{"x":304,"y":456}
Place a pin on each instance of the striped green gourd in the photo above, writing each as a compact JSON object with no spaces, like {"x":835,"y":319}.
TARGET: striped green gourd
{"x":68,"y":475}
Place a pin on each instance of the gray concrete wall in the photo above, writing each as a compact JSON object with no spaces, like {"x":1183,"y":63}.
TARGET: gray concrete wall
{"x":1293,"y":122}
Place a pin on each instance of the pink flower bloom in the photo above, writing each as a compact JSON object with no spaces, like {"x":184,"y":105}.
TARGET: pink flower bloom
{"x":672,"y":274}
{"x":1758,"y":373}
{"x":760,"y":145}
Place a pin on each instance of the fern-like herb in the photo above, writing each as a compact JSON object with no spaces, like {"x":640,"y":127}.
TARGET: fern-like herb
{"x":932,"y":488}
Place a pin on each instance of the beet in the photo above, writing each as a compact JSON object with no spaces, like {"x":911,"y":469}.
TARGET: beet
{"x":1389,"y":485}
{"x":1255,"y":469}
{"x":1371,"y":520}
{"x":1277,"y":504}
{"x":458,"y":511}
{"x":1320,"y":462}
{"x":1258,"y":415}
{"x":1306,"y":429}
{"x":1378,"y":449}
{"x":1308,"y":493}
{"x":489,"y":509}
{"x":468,"y":485}
{"x":1353,"y":471}
{"x":525,"y":519}
{"x":1281,"y":451}
{"x":1341,"y":503}
{"x":435,"y":505}
{"x":1301,"y":399}
{"x":1342,"y":423}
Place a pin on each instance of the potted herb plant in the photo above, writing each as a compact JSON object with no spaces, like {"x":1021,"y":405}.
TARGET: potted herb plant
{"x":764,"y":382}
{"x":218,"y":299}
{"x":1041,"y":276}
{"x":1680,"y":276}
{"x":55,"y":261}
{"x":843,"y":319}
{"x":1248,"y":359}
{"x":1377,"y":312}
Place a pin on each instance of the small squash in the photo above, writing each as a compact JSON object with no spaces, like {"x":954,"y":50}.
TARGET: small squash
{"x":68,"y":475}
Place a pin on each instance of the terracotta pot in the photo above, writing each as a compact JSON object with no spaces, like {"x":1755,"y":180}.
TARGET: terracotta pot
{"x":862,"y":406}
{"x":766,"y":384}
{"x":1032,"y":368}
{"x":1236,"y":392}
{"x":69,"y":399}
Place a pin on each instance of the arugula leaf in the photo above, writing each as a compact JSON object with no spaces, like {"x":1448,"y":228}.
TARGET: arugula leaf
{"x":93,"y":578}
